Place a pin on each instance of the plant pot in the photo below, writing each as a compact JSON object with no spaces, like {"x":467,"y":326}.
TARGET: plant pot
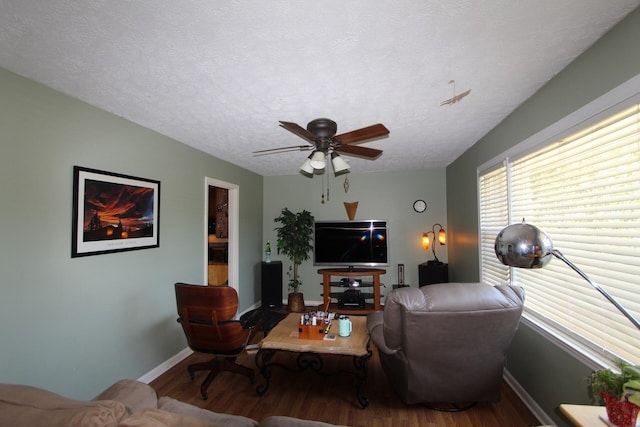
{"x":620,"y":412}
{"x":296,"y":302}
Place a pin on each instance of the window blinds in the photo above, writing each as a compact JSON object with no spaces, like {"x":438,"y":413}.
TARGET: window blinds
{"x":494,"y":216}
{"x":584,"y":192}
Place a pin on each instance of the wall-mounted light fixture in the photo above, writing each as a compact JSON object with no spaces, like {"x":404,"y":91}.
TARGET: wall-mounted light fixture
{"x":426,"y":241}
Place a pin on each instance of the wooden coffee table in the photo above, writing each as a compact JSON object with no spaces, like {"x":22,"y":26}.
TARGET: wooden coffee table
{"x":284,"y":337}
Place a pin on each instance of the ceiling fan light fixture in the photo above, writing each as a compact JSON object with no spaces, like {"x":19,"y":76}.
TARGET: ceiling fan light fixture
{"x":317,"y":160}
{"x":321,"y":135}
{"x":338,"y":163}
{"x":306,"y":166}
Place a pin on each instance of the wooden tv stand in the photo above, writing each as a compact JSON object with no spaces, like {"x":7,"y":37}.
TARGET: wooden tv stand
{"x":327,"y":285}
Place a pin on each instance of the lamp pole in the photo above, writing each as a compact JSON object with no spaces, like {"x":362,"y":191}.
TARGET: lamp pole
{"x":596,"y":286}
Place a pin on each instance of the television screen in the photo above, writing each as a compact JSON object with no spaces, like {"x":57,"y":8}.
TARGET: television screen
{"x":360,"y":243}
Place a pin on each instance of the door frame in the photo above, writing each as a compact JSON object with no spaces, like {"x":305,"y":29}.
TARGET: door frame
{"x":233,"y":255}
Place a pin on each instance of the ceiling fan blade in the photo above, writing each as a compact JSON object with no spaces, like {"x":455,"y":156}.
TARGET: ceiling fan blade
{"x":282,"y":149}
{"x":373,"y":131}
{"x":357,"y":150}
{"x":300,"y":131}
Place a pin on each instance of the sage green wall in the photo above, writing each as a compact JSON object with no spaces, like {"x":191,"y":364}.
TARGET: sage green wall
{"x":380,"y":195}
{"x":547,"y":373}
{"x":76,"y":325}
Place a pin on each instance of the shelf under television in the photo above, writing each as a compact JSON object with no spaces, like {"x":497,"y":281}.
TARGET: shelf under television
{"x":327,"y":284}
{"x":333,"y":307}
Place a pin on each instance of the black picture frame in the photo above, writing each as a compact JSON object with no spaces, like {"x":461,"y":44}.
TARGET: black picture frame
{"x":113,"y":212}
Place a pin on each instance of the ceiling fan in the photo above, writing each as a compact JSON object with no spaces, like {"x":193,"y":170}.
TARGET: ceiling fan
{"x":322,"y":139}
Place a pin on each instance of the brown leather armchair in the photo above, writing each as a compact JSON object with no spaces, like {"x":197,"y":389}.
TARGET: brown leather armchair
{"x":444,"y":345}
{"x":206,"y":315}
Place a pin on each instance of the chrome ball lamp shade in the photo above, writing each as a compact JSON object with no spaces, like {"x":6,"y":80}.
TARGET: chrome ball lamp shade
{"x":525,"y":246}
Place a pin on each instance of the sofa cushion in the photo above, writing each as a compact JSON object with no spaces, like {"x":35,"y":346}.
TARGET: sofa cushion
{"x":282,"y":421}
{"x":175,"y":406}
{"x":152,"y":417}
{"x":135,"y":395}
{"x":22,"y":405}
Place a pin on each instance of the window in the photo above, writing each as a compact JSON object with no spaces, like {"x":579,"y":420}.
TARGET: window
{"x":583,"y":191}
{"x":494,"y":216}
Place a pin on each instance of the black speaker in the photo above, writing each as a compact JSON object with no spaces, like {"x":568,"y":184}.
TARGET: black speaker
{"x":430,"y":273}
{"x":271,"y":284}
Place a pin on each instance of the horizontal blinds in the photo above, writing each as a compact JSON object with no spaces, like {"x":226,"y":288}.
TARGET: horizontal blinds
{"x":494,"y":216}
{"x":584,"y":192}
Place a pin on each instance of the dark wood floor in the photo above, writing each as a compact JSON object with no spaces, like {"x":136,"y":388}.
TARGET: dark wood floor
{"x":329,"y":399}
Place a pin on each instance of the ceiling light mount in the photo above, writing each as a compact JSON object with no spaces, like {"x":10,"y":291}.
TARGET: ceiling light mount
{"x":322,"y":128}
{"x":455,"y":97}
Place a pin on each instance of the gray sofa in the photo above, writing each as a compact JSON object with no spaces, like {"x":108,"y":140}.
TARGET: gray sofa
{"x":446,"y":343}
{"x":127,"y":403}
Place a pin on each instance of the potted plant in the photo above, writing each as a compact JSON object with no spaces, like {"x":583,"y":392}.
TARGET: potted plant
{"x":618,"y":391}
{"x":294,"y":241}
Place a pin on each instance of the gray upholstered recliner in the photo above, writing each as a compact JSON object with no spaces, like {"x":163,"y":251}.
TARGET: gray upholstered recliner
{"x":446,"y":343}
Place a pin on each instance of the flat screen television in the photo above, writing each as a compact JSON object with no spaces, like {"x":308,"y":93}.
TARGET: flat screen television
{"x":352,"y":244}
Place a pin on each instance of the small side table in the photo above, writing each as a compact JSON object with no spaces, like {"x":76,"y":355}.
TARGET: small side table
{"x":584,"y":415}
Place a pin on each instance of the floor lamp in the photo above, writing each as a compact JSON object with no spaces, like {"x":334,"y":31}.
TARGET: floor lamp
{"x":525,"y":246}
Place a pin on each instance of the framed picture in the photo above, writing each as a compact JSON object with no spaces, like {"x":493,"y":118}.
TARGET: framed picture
{"x":113,"y":212}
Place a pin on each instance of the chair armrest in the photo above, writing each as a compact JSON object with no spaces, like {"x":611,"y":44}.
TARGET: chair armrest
{"x":374,"y":320}
{"x":375,"y":327}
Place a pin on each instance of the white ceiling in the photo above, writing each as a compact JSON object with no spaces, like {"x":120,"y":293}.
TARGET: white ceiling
{"x":219,"y":74}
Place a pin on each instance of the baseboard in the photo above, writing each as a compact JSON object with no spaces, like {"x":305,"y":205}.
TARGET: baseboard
{"x":253,"y":307}
{"x":177,"y":358}
{"x":165,"y":366}
{"x":531,"y":404}
{"x":313,"y":303}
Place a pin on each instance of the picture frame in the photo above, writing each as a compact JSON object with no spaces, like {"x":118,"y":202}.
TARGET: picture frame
{"x":113,"y":212}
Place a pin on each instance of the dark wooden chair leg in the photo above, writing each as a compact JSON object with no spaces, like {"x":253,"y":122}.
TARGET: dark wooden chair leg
{"x":202,"y":366}
{"x":229,"y":364}
{"x":215,"y":366}
{"x":207,"y":381}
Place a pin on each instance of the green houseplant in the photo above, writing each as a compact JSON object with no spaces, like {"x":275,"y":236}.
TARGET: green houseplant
{"x":294,"y":241}
{"x":608,"y":381}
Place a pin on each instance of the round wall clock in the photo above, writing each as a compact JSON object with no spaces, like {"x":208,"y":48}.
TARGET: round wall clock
{"x":419,"y":206}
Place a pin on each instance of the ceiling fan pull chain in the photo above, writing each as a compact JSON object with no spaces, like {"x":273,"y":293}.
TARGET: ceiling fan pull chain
{"x":322,"y":185}
{"x":346,"y":184}
{"x":327,"y":187}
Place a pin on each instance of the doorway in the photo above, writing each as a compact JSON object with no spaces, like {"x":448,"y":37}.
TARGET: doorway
{"x":221,"y":233}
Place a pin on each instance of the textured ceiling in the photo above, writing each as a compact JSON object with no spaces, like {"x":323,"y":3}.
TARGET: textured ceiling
{"x":219,"y":75}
